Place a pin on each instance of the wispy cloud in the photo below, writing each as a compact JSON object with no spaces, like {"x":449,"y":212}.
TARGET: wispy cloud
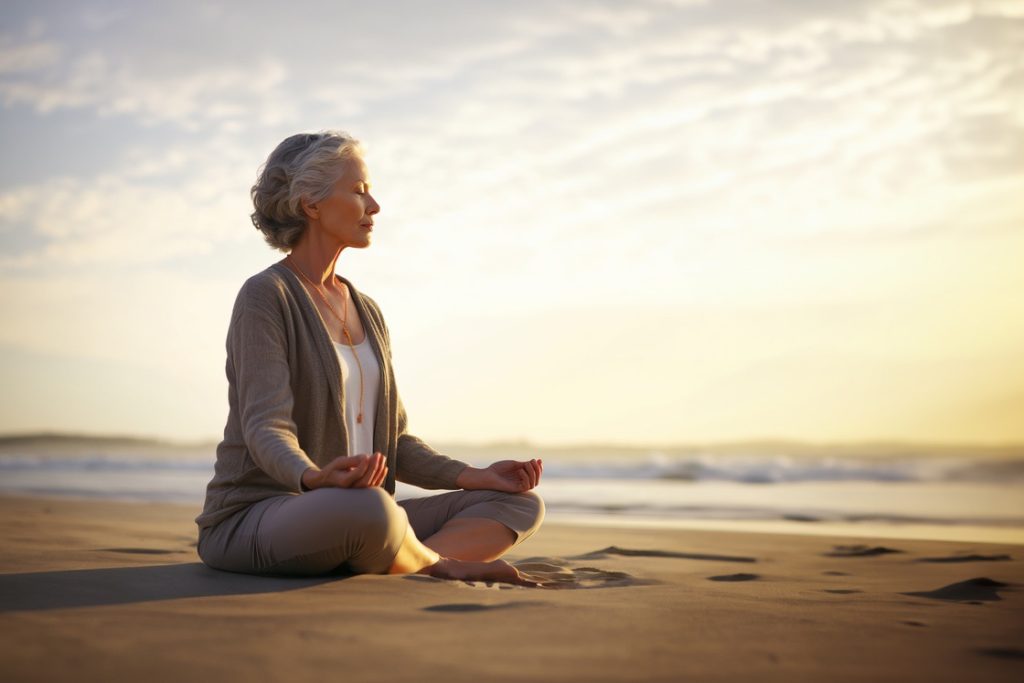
{"x":856,"y":110}
{"x":27,"y":56}
{"x":214,"y":97}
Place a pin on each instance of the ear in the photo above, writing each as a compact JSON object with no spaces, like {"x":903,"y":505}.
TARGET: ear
{"x":311,"y":210}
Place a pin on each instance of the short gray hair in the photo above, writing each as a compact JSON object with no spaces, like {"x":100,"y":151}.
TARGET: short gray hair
{"x":302,"y":166}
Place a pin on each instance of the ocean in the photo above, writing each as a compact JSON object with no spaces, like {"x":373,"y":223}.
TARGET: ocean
{"x":957,"y":493}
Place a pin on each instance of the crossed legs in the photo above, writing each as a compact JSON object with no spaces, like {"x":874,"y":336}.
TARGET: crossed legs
{"x":369,"y":532}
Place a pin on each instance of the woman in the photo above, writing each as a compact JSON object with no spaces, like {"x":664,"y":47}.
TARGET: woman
{"x":316,"y":431}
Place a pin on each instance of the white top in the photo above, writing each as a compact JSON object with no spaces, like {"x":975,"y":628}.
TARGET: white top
{"x":360,"y":436}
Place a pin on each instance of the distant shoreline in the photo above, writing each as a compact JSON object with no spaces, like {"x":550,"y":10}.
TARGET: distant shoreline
{"x":794,"y":447}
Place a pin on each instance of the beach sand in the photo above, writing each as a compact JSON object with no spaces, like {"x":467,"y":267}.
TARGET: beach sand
{"x":104,"y":591}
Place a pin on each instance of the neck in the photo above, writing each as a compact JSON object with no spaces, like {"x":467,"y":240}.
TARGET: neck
{"x":316,"y":260}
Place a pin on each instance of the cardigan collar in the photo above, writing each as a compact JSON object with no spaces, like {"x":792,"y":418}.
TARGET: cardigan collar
{"x":325,"y":345}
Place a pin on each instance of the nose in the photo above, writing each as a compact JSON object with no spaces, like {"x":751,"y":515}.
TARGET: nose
{"x":373,"y":206}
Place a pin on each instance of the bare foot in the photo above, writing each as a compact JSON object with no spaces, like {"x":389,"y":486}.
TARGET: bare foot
{"x":496,"y":570}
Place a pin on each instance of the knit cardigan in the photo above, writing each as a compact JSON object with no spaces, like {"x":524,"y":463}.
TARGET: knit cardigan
{"x":286,"y":400}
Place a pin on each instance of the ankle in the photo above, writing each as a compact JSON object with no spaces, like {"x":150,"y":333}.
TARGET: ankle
{"x":440,"y":569}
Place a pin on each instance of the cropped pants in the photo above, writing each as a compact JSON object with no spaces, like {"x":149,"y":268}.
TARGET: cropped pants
{"x":353,"y":530}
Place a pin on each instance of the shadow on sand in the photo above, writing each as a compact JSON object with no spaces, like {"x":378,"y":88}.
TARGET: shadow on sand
{"x":122,"y":585}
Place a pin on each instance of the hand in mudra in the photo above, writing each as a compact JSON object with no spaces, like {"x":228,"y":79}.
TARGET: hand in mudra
{"x":348,"y":472}
{"x":510,"y":476}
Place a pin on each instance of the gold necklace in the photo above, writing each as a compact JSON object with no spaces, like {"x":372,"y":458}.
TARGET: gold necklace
{"x":344,"y":330}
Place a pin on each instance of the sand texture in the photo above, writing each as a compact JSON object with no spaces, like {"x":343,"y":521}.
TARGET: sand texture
{"x":101,"y":591}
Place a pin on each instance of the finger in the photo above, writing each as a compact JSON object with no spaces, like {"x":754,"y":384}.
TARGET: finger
{"x":524,"y":474}
{"x":531,"y":475}
{"x":378,"y":471}
{"x":372,"y":470}
{"x":533,"y":472}
{"x":344,"y":462}
{"x":363,"y":480}
{"x":348,"y":478}
{"x":383,"y":476}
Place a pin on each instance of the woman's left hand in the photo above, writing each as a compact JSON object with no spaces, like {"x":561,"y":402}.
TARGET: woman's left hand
{"x":510,"y":476}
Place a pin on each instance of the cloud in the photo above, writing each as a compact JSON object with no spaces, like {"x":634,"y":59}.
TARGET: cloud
{"x":155,"y":209}
{"x":211,"y":97}
{"x":27,"y":56}
{"x":700,"y":123}
{"x":853,"y":106}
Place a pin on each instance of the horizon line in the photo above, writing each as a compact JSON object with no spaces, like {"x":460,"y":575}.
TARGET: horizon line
{"x":8,"y":437}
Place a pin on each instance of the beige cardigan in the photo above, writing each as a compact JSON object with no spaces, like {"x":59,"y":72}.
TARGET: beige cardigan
{"x":285,"y":400}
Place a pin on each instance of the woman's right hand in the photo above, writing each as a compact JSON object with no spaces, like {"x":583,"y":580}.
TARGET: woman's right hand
{"x":348,"y":472}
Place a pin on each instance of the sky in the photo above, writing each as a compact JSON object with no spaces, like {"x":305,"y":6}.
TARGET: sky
{"x":644,"y":222}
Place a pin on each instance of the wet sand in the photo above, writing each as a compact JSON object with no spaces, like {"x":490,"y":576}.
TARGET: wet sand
{"x":100,"y":591}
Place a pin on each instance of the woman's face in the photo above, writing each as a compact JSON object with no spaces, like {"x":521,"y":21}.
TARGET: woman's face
{"x":347,"y":213}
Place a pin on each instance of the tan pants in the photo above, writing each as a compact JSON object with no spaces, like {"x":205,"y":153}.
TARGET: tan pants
{"x":357,"y":531}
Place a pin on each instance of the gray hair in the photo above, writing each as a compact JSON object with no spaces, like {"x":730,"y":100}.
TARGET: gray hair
{"x":303,"y":166}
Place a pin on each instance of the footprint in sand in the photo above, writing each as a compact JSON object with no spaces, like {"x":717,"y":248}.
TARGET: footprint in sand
{"x":966,"y":557}
{"x":734,"y":577}
{"x":554,"y":573}
{"x":612,"y":550}
{"x":557,"y":573}
{"x":859,"y":551}
{"x":478,"y":607}
{"x":973,"y":591}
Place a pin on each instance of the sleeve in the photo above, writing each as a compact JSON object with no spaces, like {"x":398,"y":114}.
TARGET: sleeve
{"x":258,"y":352}
{"x":416,"y":462}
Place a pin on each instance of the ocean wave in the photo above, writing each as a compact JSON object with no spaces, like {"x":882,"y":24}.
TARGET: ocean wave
{"x":788,"y":469}
{"x":760,"y":469}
